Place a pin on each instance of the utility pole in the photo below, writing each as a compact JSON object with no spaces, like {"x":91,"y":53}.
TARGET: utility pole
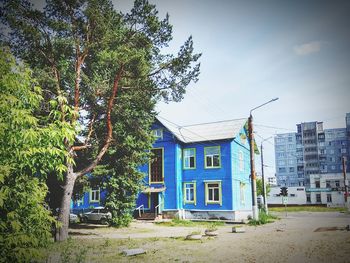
{"x":263,"y":178}
{"x":345,"y":182}
{"x":252,"y":168}
{"x":252,"y":164}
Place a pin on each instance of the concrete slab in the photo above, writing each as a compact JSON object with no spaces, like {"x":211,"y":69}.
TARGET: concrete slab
{"x":133,"y":252}
{"x":238,"y":229}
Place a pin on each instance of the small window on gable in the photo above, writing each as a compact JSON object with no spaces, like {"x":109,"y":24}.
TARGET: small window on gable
{"x":158,"y":133}
{"x":189,"y":158}
{"x":212,"y":157}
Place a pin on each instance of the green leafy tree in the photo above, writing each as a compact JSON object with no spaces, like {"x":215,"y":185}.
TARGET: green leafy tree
{"x":91,"y":56}
{"x":28,"y":151}
{"x":259,"y":187}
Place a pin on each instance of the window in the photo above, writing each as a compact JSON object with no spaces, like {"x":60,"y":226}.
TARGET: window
{"x":318,"y":198}
{"x":189,"y":156}
{"x":317,"y":183}
{"x":190,"y":193}
{"x":242,"y":190}
{"x":328,"y":183}
{"x":156,"y":166}
{"x":281,"y":169}
{"x":241,"y":161}
{"x":291,"y":169}
{"x":329,"y":198}
{"x":337,"y":183}
{"x":213,"y":193}
{"x":308,"y":198}
{"x":158,"y":133}
{"x":281,"y":163}
{"x":80,"y":201}
{"x":95,"y":195}
{"x":212,"y":157}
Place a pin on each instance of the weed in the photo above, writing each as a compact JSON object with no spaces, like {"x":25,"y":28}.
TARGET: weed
{"x":212,"y":227}
{"x":72,"y":252}
{"x":107,"y":243}
{"x":264,"y":218}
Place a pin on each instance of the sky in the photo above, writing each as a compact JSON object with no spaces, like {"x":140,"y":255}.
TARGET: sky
{"x":257,"y":50}
{"x":253,"y":51}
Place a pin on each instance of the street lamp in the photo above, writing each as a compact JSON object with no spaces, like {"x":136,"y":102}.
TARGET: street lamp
{"x":252,"y":165}
{"x":262,"y":174}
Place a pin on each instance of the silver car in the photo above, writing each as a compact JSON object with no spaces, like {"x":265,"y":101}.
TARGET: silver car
{"x":73,"y":218}
{"x":98,"y":214}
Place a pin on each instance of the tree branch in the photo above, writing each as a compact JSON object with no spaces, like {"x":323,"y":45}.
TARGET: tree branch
{"x":86,"y":145}
{"x":109,"y":127}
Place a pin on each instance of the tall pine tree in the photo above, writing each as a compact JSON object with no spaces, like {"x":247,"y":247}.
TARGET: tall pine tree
{"x":103,"y":64}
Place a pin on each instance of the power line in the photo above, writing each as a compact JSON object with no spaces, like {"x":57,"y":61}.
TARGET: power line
{"x":272,"y":127}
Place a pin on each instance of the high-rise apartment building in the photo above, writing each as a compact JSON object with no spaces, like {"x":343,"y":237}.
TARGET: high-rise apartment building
{"x":311,"y":150}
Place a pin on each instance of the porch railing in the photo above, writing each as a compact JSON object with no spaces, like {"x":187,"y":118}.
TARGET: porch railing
{"x":139,"y":209}
{"x":156,"y":210}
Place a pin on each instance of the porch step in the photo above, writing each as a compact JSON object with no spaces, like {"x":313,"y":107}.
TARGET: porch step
{"x":148,"y":216}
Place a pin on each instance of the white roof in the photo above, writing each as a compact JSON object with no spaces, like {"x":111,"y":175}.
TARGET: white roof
{"x":206,"y":131}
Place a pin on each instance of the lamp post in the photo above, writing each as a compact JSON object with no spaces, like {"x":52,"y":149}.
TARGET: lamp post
{"x":262,"y":174}
{"x":252,"y":165}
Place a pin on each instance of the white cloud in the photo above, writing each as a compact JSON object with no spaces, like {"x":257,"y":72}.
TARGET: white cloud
{"x":308,"y":48}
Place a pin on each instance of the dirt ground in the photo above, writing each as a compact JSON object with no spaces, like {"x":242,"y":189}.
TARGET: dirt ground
{"x":299,"y":237}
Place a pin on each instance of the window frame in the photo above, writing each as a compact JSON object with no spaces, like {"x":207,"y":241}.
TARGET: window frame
{"x":183,"y":159}
{"x":318,"y":196}
{"x":80,"y":201}
{"x":149,"y":168}
{"x":194,"y":188}
{"x":94,"y":190}
{"x":205,"y":157}
{"x":161,"y":134}
{"x":206,"y":185}
{"x":329,"y":198}
{"x":242,"y":192}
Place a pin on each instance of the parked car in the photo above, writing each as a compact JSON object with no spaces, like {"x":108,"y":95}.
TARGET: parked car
{"x":98,"y":214}
{"x":73,"y":218}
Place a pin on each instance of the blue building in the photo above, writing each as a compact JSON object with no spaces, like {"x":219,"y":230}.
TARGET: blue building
{"x":95,"y":197}
{"x":198,"y":171}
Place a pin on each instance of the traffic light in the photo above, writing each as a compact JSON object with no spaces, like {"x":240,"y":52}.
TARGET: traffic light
{"x":284,"y":191}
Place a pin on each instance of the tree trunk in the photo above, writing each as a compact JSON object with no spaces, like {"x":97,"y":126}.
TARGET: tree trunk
{"x":64,"y":210}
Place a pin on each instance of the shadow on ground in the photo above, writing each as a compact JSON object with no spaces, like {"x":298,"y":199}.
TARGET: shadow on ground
{"x":86,"y":226}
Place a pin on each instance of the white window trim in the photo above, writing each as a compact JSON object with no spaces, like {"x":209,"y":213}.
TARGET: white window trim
{"x":207,"y":201}
{"x":96,"y":190}
{"x":194,"y":201}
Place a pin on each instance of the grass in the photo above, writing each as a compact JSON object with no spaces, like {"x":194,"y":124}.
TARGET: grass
{"x":263,"y":219}
{"x":308,"y":209}
{"x":110,"y":250}
{"x":188,"y":223}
